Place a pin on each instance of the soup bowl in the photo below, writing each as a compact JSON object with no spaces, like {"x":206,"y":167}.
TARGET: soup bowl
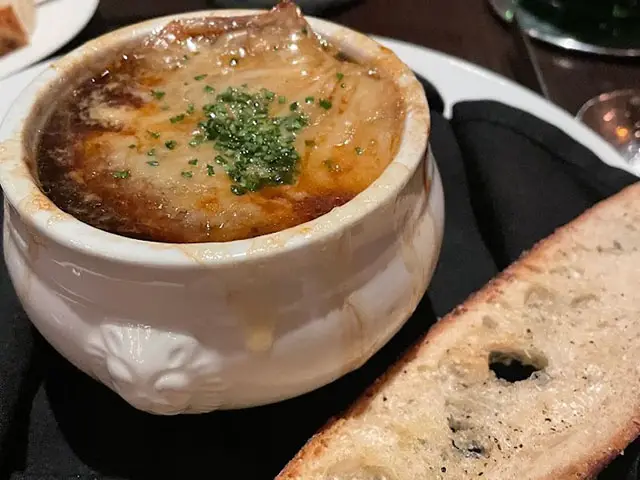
{"x":184,"y":328}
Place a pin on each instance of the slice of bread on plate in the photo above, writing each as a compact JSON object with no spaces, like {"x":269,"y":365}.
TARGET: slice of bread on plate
{"x":536,"y":376}
{"x":17,"y":23}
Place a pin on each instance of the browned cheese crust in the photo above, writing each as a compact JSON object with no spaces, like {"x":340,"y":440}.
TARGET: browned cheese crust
{"x":124,"y":151}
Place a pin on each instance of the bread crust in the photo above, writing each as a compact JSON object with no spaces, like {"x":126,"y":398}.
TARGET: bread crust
{"x":17,"y":18}
{"x":591,"y":461}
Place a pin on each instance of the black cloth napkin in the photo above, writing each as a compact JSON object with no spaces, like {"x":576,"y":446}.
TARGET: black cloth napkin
{"x":510,"y":179}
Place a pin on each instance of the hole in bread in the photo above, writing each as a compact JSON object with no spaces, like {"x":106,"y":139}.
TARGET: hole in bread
{"x":515,"y":366}
{"x":470,"y":448}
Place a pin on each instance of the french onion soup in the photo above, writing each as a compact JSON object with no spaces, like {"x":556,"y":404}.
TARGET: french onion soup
{"x":219,"y":129}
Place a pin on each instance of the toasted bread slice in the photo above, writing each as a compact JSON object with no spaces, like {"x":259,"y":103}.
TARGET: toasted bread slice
{"x":17,"y":23}
{"x":568,"y":315}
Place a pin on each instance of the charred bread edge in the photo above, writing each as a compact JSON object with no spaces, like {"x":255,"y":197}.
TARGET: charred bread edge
{"x":589,"y":463}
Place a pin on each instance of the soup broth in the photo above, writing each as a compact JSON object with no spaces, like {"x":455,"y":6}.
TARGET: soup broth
{"x":219,"y":129}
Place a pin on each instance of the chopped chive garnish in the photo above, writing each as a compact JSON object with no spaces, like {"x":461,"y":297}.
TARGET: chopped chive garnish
{"x":153,"y":134}
{"x":177,"y":118}
{"x":196,"y":140}
{"x":304,"y":30}
{"x":238,"y":190}
{"x":255,"y":148}
{"x":309,"y":100}
{"x":193,"y":161}
{"x":340,"y":75}
{"x":151,"y":152}
{"x":209,"y":89}
{"x":359,"y":151}
{"x":164,"y":107}
{"x":282,"y":99}
{"x":171,"y":144}
{"x":324,"y":103}
{"x":309,"y":143}
{"x":133,"y":145}
{"x":200,"y":77}
{"x":185,"y":57}
{"x":331,"y":166}
{"x":210,"y":171}
{"x":233,"y":62}
{"x":343,"y":85}
{"x":157,"y":94}
{"x":191,"y":108}
{"x":153,"y":163}
{"x":268,"y":94}
{"x":187,"y":174}
{"x":122,"y":174}
{"x":294,"y":106}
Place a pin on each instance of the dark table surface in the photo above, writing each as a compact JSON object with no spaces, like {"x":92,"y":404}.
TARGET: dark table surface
{"x":463,"y":28}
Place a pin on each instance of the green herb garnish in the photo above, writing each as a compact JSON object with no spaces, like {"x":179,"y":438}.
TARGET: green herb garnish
{"x":340,"y":75}
{"x":233,"y":62}
{"x":153,"y":134}
{"x":324,"y":103}
{"x":193,"y":161}
{"x":177,"y":118}
{"x":186,"y":174}
{"x":331,"y":166}
{"x":133,"y":145}
{"x":196,"y":140}
{"x":209,"y":89}
{"x":210,"y":170}
{"x":151,"y":152}
{"x":157,"y":94}
{"x":359,"y":151}
{"x":200,"y":77}
{"x":309,"y":100}
{"x":153,"y":163}
{"x":309,"y":143}
{"x":282,"y":99}
{"x":294,"y":106}
{"x":255,"y":148}
{"x":191,"y":108}
{"x":122,"y":174}
{"x":238,"y":190}
{"x":171,"y":144}
{"x":268,"y":94}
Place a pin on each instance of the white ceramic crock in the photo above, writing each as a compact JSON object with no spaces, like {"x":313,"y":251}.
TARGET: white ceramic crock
{"x":192,"y":328}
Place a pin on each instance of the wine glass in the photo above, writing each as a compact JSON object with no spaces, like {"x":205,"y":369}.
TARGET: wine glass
{"x":616,"y":117}
{"x":604,"y":27}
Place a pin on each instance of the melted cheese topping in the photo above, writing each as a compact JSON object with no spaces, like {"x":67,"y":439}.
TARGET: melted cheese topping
{"x":125,"y":152}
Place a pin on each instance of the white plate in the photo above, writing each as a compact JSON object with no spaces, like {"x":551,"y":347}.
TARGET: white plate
{"x":455,"y":79}
{"x":58,"y":21}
